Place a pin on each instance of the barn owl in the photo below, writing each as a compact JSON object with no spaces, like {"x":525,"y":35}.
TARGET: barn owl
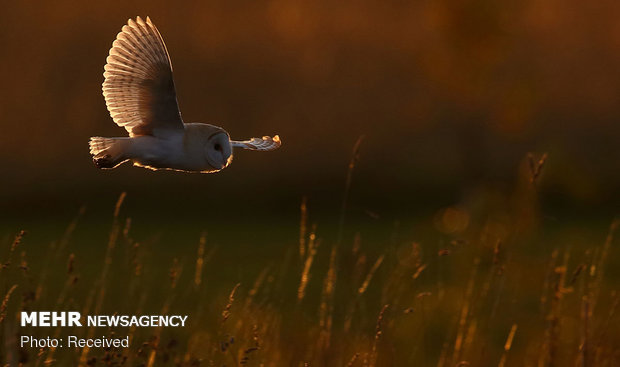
{"x":140,"y":95}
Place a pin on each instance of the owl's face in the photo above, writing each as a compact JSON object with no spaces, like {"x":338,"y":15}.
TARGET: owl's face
{"x":218,"y":150}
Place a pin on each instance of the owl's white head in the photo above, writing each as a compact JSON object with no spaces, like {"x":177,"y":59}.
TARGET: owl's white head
{"x":218,"y":149}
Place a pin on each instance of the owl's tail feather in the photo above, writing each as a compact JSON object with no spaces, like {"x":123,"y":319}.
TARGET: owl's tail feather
{"x":108,"y":152}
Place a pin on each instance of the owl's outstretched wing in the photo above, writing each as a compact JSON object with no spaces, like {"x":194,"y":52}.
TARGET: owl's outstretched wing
{"x":138,"y":88}
{"x":264,"y":143}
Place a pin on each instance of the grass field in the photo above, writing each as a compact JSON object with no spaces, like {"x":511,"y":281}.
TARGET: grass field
{"x":480,"y":283}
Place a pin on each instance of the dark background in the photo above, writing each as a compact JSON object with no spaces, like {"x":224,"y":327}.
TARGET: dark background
{"x":450,"y":96}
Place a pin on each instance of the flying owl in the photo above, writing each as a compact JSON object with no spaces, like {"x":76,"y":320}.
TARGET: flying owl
{"x":140,"y":95}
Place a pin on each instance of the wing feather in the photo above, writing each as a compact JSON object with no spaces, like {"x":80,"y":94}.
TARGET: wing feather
{"x":139,"y":87}
{"x":265,"y":143}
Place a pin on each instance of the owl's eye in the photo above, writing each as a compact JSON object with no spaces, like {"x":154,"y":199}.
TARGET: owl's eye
{"x":217,"y":147}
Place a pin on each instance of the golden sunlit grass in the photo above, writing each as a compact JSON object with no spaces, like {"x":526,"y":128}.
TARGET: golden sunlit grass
{"x":475,"y":298}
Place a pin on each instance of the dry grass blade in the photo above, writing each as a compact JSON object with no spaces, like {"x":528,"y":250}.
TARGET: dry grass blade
{"x":231,"y":299}
{"x":305,"y":275}
{"x":371,"y":273}
{"x":98,"y":295}
{"x":597,"y":269}
{"x":175,"y":273}
{"x":508,"y":344}
{"x":16,"y":242}
{"x":255,"y":288}
{"x":418,"y":271}
{"x":536,"y":166}
{"x":119,"y":203}
{"x":303,"y":222}
{"x":5,"y":302}
{"x":585,"y":340}
{"x":326,"y":308}
{"x":378,"y":334}
{"x":465,"y":312}
{"x":62,"y":244}
{"x":246,"y":355}
{"x":71,"y":264}
{"x":200,"y":259}
{"x":576,"y":273}
{"x":353,"y":359}
{"x":347,"y":187}
{"x":610,"y":316}
{"x":510,"y":338}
